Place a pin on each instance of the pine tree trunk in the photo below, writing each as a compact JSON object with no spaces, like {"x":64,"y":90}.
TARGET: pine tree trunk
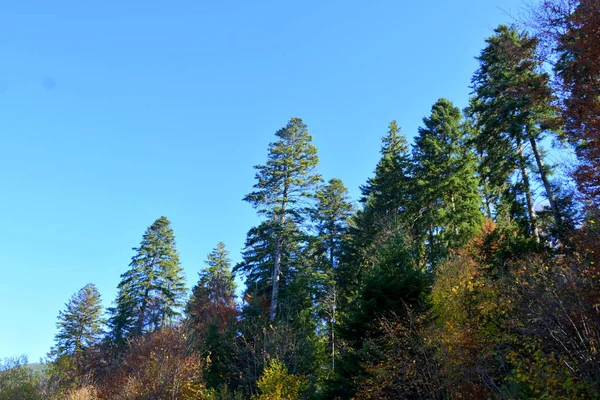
{"x":544,"y":177}
{"x":527,"y":188}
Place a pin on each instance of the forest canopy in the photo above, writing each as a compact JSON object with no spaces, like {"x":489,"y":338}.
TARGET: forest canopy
{"x":469,"y":268}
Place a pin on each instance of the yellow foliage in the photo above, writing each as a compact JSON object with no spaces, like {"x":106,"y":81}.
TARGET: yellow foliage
{"x":276,"y":383}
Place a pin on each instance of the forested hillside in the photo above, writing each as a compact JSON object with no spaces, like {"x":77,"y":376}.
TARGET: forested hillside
{"x":469,"y":268}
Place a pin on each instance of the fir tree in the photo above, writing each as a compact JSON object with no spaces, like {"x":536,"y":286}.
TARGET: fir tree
{"x":212,"y":315}
{"x":513,"y":109}
{"x":447,"y":187}
{"x":283,"y":183}
{"x":80,"y":324}
{"x":151,"y":292}
{"x":386,"y":197}
{"x":331,"y":216}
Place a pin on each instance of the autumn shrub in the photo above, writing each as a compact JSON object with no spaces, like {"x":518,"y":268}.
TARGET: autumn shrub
{"x":83,"y":393}
{"x":158,"y":366}
{"x":471,"y":312}
{"x":276,"y":383}
{"x":470,"y":328}
{"x":558,"y":351}
{"x":405,"y":367}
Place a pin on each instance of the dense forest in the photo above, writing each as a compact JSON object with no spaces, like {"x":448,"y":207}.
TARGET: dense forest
{"x":471,"y":268}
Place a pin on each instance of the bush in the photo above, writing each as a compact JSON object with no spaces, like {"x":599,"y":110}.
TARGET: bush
{"x":277,"y":384}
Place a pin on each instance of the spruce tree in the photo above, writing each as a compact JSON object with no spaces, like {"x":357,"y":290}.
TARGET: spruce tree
{"x":80,"y":324}
{"x":151,"y":292}
{"x":447,"y":186}
{"x":283,"y":183}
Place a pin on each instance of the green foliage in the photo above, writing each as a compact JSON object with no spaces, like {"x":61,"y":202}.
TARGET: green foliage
{"x":288,"y":174}
{"x":387,"y":199}
{"x":446,"y":184}
{"x":413,"y":296}
{"x":80,"y":324}
{"x":276,"y":383}
{"x":391,"y":286}
{"x":151,"y":293}
{"x":284,"y":182}
{"x":513,"y":110}
{"x":18,"y":381}
{"x":331,"y":217}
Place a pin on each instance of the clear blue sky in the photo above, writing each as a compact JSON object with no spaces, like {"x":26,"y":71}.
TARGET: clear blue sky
{"x":114,"y":113}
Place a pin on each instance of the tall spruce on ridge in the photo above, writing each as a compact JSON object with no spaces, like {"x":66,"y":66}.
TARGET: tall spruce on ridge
{"x":513,"y":109}
{"x":284,"y":181}
{"x":80,"y":324}
{"x":151,"y":293}
{"x":447,"y":186}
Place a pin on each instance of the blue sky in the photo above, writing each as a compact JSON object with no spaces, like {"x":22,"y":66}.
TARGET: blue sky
{"x":114,"y":113}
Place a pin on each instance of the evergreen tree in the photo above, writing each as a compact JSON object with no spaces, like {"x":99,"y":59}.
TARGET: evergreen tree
{"x":80,"y":324}
{"x":212,"y":315}
{"x":386,"y":198}
{"x":447,"y":187}
{"x":151,"y":292}
{"x":513,"y":107}
{"x":283,"y":183}
{"x":331,"y":216}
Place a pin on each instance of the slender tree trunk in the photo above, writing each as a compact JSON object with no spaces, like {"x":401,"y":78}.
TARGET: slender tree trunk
{"x":333,"y":305}
{"x":142,"y":312}
{"x":547,"y":186}
{"x":485,"y":188}
{"x":277,"y":266}
{"x":333,"y":330}
{"x":486,"y":199}
{"x":275,"y":279}
{"x":454,"y":227}
{"x":431,"y":247}
{"x":527,"y":188}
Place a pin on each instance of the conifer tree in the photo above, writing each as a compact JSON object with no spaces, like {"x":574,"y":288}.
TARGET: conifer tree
{"x":80,"y":324}
{"x":513,"y":104}
{"x":331,"y":216}
{"x":447,"y":187}
{"x":386,"y":198}
{"x":283,"y":183}
{"x":151,"y":292}
{"x":212,"y":314}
